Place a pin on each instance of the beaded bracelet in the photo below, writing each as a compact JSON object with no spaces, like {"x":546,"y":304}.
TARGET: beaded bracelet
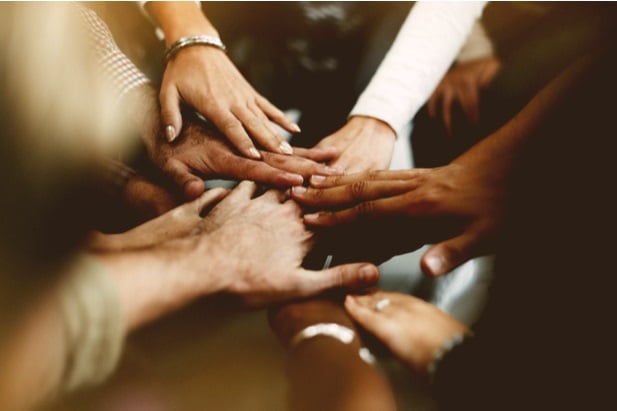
{"x":183,"y":42}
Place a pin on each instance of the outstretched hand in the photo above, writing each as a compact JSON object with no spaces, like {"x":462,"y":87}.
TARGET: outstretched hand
{"x":203,"y":153}
{"x":459,"y":207}
{"x":260,"y":243}
{"x":412,"y":329}
{"x":205,"y":79}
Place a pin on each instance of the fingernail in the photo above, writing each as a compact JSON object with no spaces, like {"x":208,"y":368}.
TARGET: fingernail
{"x":334,"y":170}
{"x":311,"y":218}
{"x":295,"y":128}
{"x":436,"y":264}
{"x":295,"y":179}
{"x":286,"y":148}
{"x":170,"y":133}
{"x":316,"y":179}
{"x":299,"y":190}
{"x":368,"y":274}
{"x":254,"y":153}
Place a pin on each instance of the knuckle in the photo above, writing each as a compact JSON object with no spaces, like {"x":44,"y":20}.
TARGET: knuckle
{"x":365,"y":208}
{"x":357,"y":189}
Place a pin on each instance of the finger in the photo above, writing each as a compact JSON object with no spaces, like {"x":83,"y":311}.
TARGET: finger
{"x":299,"y":165}
{"x":356,"y":275}
{"x":320,"y":181}
{"x":209,"y":198}
{"x":191,"y":185}
{"x":361,"y":190}
{"x":372,"y":321}
{"x":243,"y":168}
{"x":274,"y":195}
{"x":233,"y":129}
{"x":446,"y":110}
{"x":276,"y":115}
{"x":258,"y":128}
{"x":446,"y":256}
{"x":170,"y":112}
{"x":243,"y":191}
{"x":317,"y":153}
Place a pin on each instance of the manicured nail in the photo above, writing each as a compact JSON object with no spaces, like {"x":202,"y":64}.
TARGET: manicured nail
{"x":254,"y":153}
{"x":296,"y":179}
{"x":311,"y":218}
{"x":286,"y":148}
{"x":317,"y":179}
{"x":436,"y":264}
{"x":295,"y":128}
{"x":368,"y":274}
{"x":170,"y":133}
{"x":334,"y":170}
{"x":299,"y":189}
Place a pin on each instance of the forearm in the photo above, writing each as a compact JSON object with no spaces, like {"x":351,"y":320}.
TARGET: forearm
{"x":179,"y":19}
{"x":156,"y":281}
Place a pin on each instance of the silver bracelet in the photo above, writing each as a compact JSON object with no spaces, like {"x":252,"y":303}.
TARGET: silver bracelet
{"x":188,"y":41}
{"x":334,"y":330}
{"x":445,"y":348}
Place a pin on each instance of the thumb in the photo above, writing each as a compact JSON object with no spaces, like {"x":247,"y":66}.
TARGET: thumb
{"x":446,"y":256}
{"x":191,"y":185}
{"x":171,"y":117}
{"x":356,"y":275}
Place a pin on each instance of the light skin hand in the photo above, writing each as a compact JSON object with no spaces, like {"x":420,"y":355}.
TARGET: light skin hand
{"x":462,"y":85}
{"x":458,"y":207}
{"x":364,"y":143}
{"x":203,"y":77}
{"x":182,"y":221}
{"x":203,"y":153}
{"x":412,"y":329}
{"x":262,"y":241}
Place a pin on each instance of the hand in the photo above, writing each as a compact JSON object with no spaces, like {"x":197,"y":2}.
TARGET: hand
{"x":180,"y":222}
{"x":364,"y":144}
{"x":207,"y":80}
{"x":411,"y":328}
{"x":259,"y":244}
{"x":463,"y":84}
{"x":458,"y":206}
{"x":203,"y":153}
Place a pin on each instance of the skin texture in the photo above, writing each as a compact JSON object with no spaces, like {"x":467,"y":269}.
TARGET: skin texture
{"x":458,"y":207}
{"x":411,"y":328}
{"x":204,"y":153}
{"x":364,"y":144}
{"x":204,"y":78}
{"x":462,"y":85}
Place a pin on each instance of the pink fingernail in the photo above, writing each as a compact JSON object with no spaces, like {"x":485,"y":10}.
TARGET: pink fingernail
{"x":311,"y":218}
{"x":316,"y":179}
{"x":299,"y":189}
{"x":295,"y":128}
{"x":368,"y":274}
{"x":297,"y":179}
{"x":436,"y":264}
{"x":170,"y":133}
{"x":254,"y":153}
{"x":286,"y":148}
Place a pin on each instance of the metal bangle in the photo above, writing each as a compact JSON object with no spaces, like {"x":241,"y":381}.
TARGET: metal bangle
{"x":188,"y":41}
{"x":341,"y":333}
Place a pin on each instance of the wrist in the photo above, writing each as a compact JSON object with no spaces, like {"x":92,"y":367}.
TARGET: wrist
{"x":180,"y":19}
{"x":372,"y":126}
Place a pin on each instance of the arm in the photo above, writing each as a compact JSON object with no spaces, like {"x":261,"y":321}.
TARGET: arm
{"x":204,"y":78}
{"x":422,"y":52}
{"x":324,"y":373}
{"x":459,"y":207}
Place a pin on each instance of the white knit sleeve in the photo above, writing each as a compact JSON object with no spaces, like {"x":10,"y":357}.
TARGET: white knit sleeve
{"x":425,"y":47}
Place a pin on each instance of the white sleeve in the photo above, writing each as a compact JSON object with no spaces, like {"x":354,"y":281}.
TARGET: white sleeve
{"x":425,"y":47}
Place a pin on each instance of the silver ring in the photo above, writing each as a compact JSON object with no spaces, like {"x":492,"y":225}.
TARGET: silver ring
{"x":381,"y":304}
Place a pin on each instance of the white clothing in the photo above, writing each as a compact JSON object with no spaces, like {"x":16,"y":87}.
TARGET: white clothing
{"x":425,"y":47}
